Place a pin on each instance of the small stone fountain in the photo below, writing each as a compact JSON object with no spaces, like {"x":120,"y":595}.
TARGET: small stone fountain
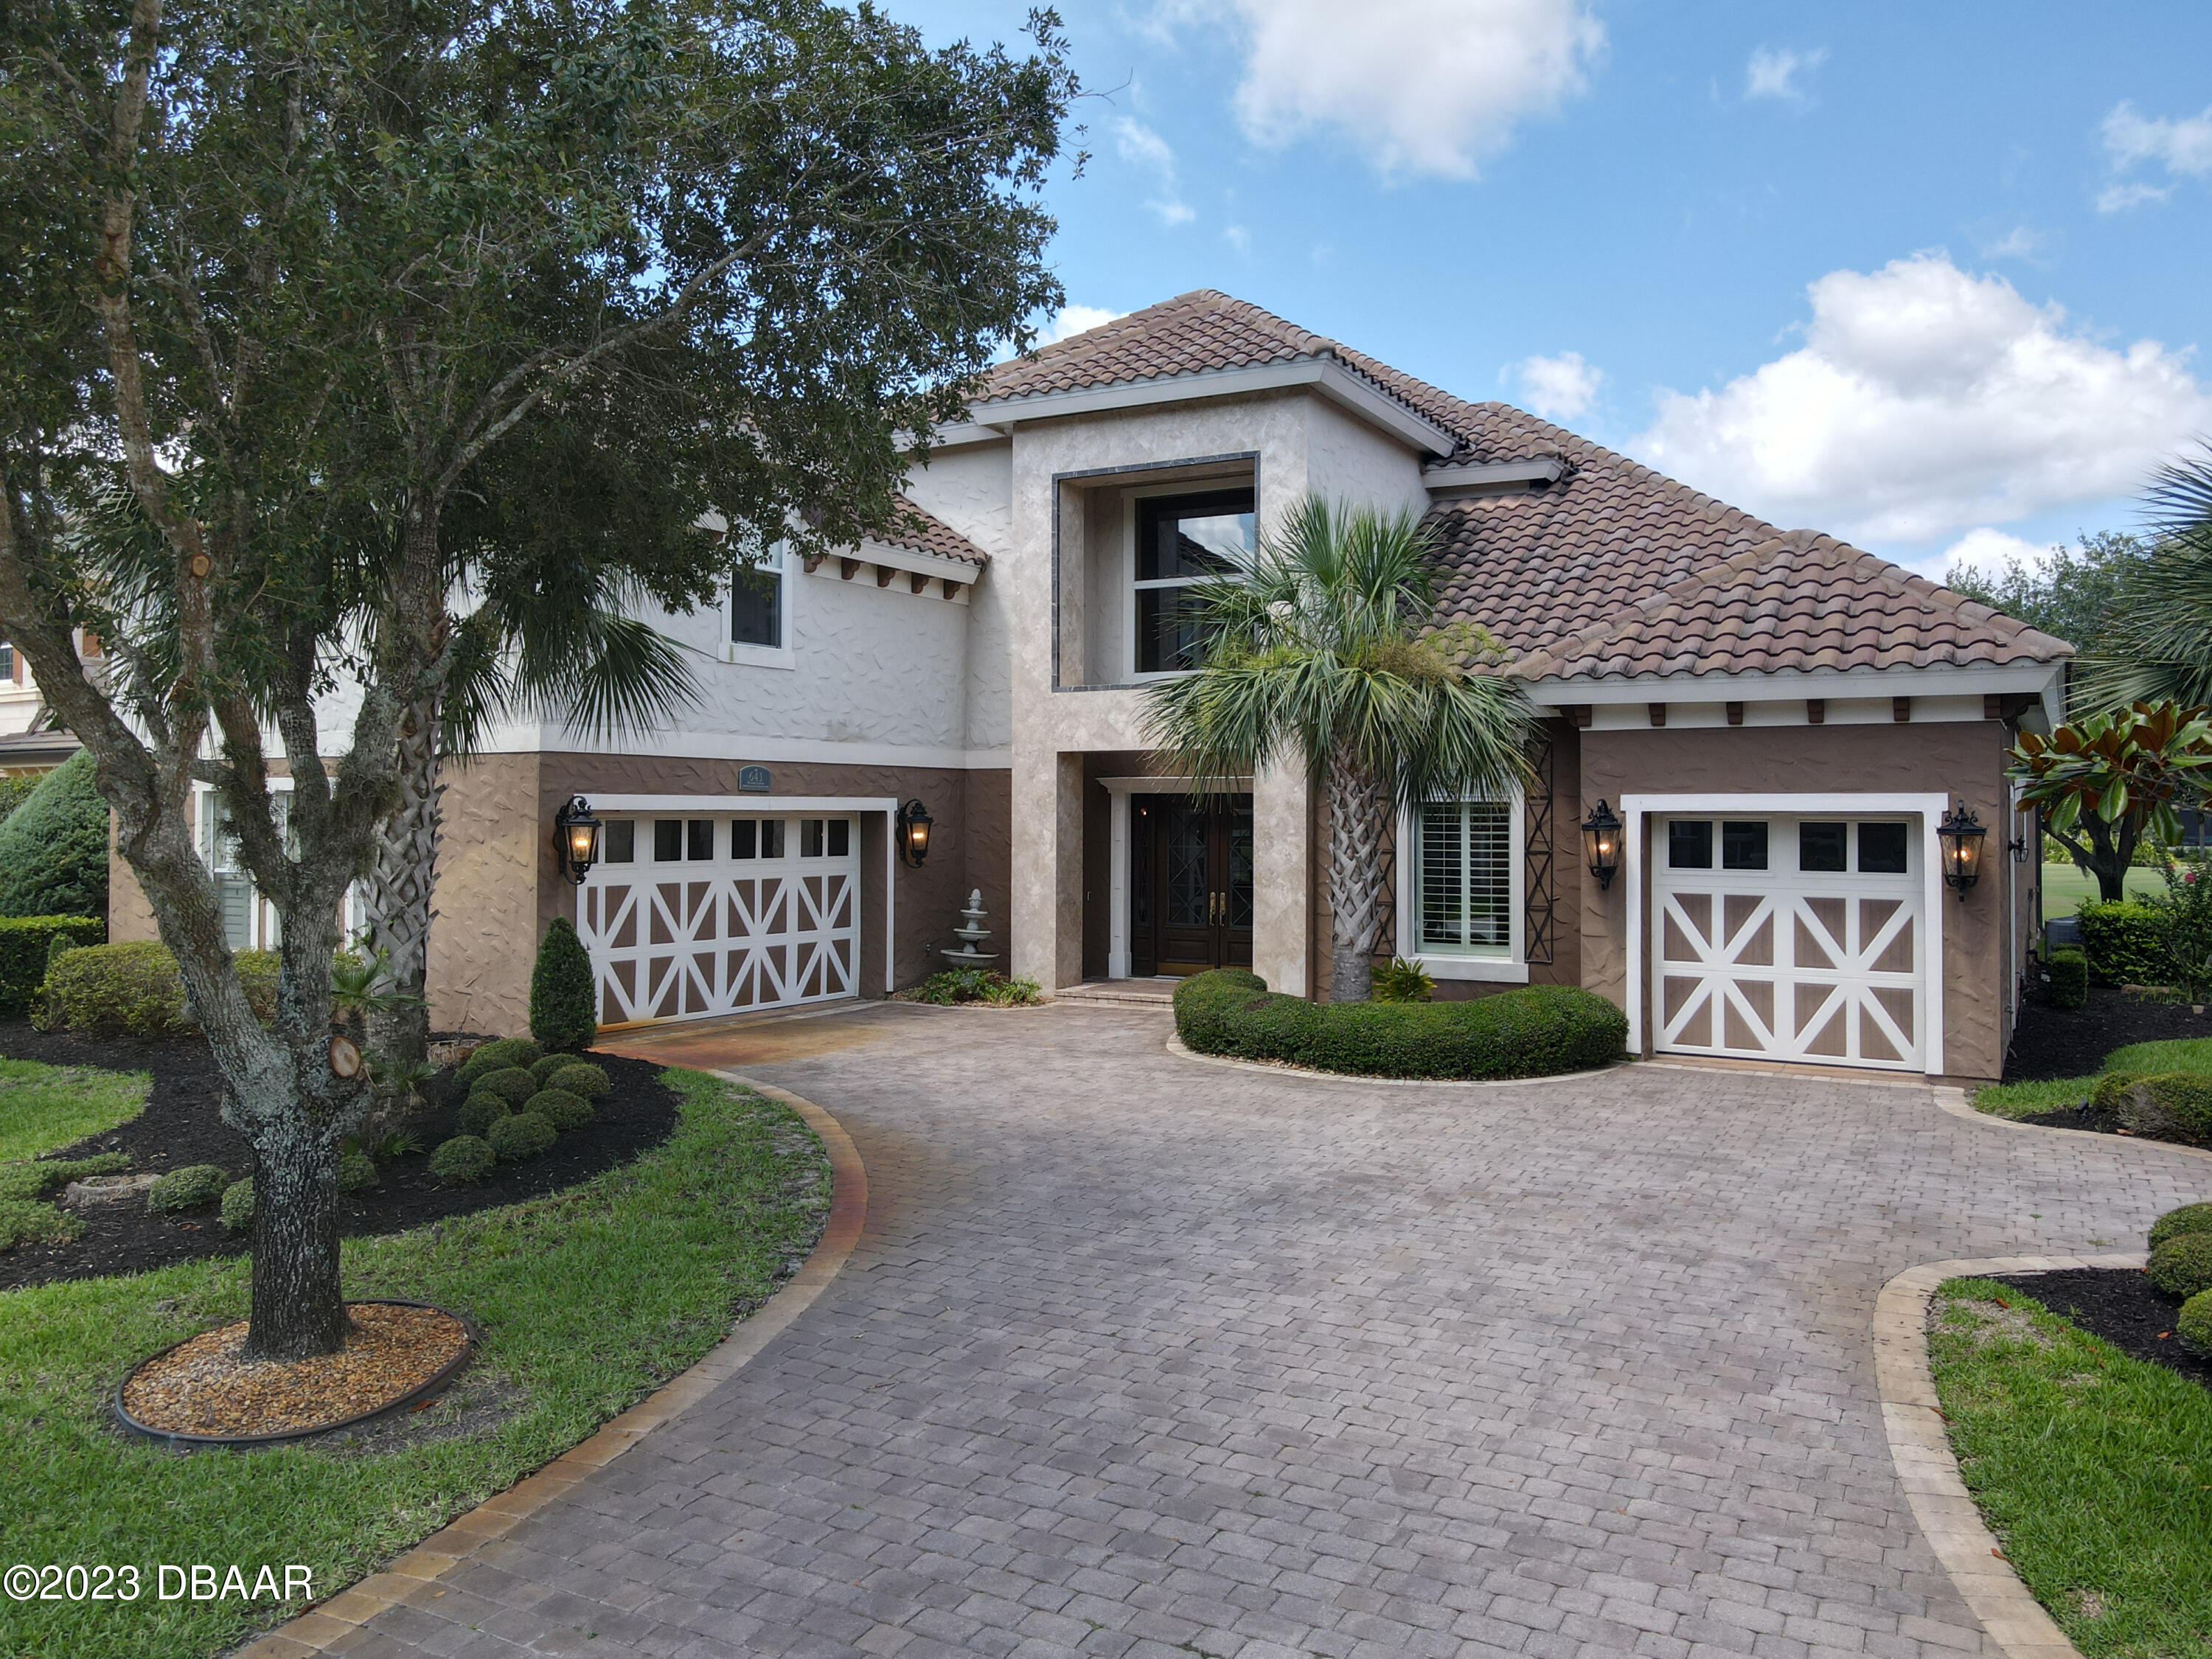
{"x":975,"y":934}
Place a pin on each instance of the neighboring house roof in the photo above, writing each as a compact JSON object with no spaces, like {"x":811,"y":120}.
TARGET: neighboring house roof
{"x":1614,"y":569}
{"x":921,"y":531}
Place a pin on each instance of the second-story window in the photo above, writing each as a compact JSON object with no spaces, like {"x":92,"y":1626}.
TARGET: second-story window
{"x":1181,"y":541}
{"x":756,"y":601}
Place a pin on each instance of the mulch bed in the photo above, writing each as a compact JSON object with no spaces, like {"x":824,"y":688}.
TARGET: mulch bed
{"x":2073,"y":1042}
{"x":203,"y":1388}
{"x":2123,"y":1307}
{"x":179,"y":1126}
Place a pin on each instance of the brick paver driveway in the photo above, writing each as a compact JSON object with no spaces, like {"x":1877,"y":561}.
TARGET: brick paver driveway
{"x":1145,"y":1358}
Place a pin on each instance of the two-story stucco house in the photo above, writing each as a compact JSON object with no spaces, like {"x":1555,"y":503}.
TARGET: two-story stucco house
{"x":1778,"y":722}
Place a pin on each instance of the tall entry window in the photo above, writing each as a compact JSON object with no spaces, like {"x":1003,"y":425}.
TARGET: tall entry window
{"x":1463,"y":877}
{"x":1181,"y":541}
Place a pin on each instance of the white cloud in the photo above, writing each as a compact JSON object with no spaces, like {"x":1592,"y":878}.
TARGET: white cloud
{"x":1772,"y":72}
{"x":2182,"y":147}
{"x":1557,"y":388}
{"x":1419,"y":87}
{"x":1926,"y":400}
{"x":1141,"y":147}
{"x":1237,"y":237}
{"x":1984,"y":548}
{"x":2018,"y":243}
{"x":1076,"y":319}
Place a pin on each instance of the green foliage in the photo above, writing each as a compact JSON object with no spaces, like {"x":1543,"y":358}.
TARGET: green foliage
{"x":25,"y":1222}
{"x":188,"y":1188}
{"x":496,"y":1056}
{"x":237,"y":1211}
{"x":2173,"y":1054}
{"x":512,"y":1083}
{"x":1402,"y":981}
{"x":2169,"y":1106}
{"x":134,"y":989}
{"x":2125,"y":944}
{"x":2094,"y":1468}
{"x":45,"y":1177}
{"x":2109,"y":1091}
{"x":400,"y":1143}
{"x":2032,"y":1098}
{"x":14,"y":790}
{"x":564,"y":999}
{"x":2068,"y":974}
{"x":27,"y":946}
{"x":2066,"y":593}
{"x":985,"y":985}
{"x":2189,"y":1219}
{"x":1537,"y":1031}
{"x":543,"y":1069}
{"x":356,"y":1171}
{"x":2157,"y":644}
{"x":2193,"y":1324}
{"x":519,"y":1136}
{"x":2105,"y":782}
{"x":46,"y":1108}
{"x":563,"y":1110}
{"x":53,"y":847}
{"x":2182,"y":1265}
{"x":580,"y":1077}
{"x":2185,"y":925}
{"x":480,"y":1111}
{"x":463,"y":1161}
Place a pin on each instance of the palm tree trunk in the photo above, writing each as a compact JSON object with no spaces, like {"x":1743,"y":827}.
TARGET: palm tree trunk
{"x":400,"y":887}
{"x":1355,"y":882}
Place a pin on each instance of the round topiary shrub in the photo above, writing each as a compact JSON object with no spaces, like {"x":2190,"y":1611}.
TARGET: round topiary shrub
{"x":496,"y":1056}
{"x":187,"y":1188}
{"x":463,"y":1161}
{"x":2172,"y":1106}
{"x":238,"y":1207}
{"x":53,"y":847}
{"x":523,"y":1135}
{"x":2193,"y":1325}
{"x":580,"y":1077}
{"x":480,"y":1111}
{"x":2109,"y":1091}
{"x":563,"y":1110}
{"x":544,"y":1070}
{"x":2183,"y":1266}
{"x":2189,"y":1219}
{"x":514,"y":1084}
{"x":356,"y":1171}
{"x":563,"y":1000}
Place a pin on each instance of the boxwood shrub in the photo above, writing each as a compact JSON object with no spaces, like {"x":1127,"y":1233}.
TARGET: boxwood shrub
{"x":2067,"y":973}
{"x":1539,"y":1031}
{"x":27,"y":942}
{"x":496,"y":1056}
{"x":519,"y":1136}
{"x":2189,"y":1219}
{"x":2193,"y":1325}
{"x":187,"y":1188}
{"x":2125,"y":944}
{"x":134,"y":989}
{"x":237,"y":1213}
{"x":580,"y":1077}
{"x":563,"y":1110}
{"x":463,"y":1161}
{"x":2171,"y":1106}
{"x":2182,"y":1267}
{"x":480,"y":1111}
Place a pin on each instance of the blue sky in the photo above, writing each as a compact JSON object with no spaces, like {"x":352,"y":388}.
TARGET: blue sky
{"x":1934,"y":278}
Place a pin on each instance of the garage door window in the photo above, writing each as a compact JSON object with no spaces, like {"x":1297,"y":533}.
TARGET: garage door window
{"x":1823,"y":846}
{"x":1743,"y":845}
{"x":1882,"y":849}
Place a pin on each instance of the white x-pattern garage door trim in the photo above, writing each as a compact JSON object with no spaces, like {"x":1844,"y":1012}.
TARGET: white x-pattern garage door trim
{"x":1928,"y":809}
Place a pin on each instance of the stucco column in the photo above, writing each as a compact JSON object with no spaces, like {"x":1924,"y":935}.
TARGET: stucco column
{"x":1282,"y":878}
{"x":1048,"y":867}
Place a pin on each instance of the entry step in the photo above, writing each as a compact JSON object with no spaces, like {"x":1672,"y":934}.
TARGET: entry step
{"x":1144,"y":993}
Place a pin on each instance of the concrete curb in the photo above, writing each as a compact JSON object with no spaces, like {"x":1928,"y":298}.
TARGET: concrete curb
{"x":1954,"y":1100}
{"x":1175,"y":1046}
{"x":403,"y":1579}
{"x":1921,"y":1447}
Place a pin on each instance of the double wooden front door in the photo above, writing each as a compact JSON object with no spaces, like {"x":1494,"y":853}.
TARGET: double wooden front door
{"x":1190,"y":883}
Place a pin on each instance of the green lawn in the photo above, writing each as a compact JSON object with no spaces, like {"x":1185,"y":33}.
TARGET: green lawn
{"x":587,"y":1299}
{"x":45,"y":1108}
{"x":2094,"y":1469}
{"x":2049,"y":1094}
{"x":2066,"y":884}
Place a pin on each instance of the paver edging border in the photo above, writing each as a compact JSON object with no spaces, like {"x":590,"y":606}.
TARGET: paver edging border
{"x":1949,"y":1097}
{"x":1175,"y":1046}
{"x":1920,"y":1446}
{"x":315,"y":1631}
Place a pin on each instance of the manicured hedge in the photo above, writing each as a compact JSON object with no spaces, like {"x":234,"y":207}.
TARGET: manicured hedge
{"x":134,"y":989}
{"x":1537,"y":1031}
{"x":26,"y":942}
{"x":2125,"y":944}
{"x":53,"y":847}
{"x":2068,"y":974}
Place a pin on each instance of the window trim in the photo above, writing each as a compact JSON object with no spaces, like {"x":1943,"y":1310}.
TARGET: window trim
{"x":1132,"y":502}
{"x":1510,"y":967}
{"x":762,"y":656}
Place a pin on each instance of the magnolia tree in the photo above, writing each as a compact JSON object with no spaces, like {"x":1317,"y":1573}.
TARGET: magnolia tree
{"x":308,"y":308}
{"x":2105,"y":782}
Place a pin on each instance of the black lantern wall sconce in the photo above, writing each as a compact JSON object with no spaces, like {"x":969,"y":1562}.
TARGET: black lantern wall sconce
{"x":1601,"y":844}
{"x":576,"y":837}
{"x":914,"y":822}
{"x":1961,"y":833}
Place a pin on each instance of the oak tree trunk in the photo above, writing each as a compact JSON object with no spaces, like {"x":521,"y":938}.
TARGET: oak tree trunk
{"x":1356,"y":882}
{"x":298,"y":1307}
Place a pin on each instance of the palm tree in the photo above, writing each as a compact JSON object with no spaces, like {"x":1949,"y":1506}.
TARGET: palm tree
{"x":1320,"y":654}
{"x":2157,"y":647}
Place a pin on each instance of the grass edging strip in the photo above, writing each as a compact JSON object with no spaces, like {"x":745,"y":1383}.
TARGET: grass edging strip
{"x":1270,"y":1068}
{"x":1920,"y":1446}
{"x":1951,"y":1099}
{"x":341,"y":1616}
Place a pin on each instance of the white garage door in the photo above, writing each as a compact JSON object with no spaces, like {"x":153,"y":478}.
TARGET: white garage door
{"x":1790,"y":938}
{"x":690,"y":917}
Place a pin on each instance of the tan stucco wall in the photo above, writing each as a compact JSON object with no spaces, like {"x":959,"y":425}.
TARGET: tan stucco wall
{"x":485,"y":933}
{"x":1962,"y":759}
{"x":129,"y":915}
